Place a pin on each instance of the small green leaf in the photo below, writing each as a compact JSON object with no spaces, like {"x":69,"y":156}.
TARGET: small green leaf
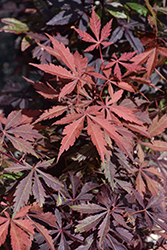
{"x":117,"y":14}
{"x":138,"y":7}
{"x":12,"y":176}
{"x":14,"y":26}
{"x":26,"y":43}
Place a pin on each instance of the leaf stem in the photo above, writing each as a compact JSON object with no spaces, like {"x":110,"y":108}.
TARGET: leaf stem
{"x":12,"y":158}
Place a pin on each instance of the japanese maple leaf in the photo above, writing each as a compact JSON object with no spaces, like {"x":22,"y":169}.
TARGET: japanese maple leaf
{"x":95,"y":25}
{"x":158,"y":126}
{"x":155,"y":203}
{"x":19,"y":226}
{"x":127,"y":29}
{"x":59,"y":230}
{"x":126,"y":61}
{"x":145,"y":172}
{"x":76,"y":63}
{"x":123,"y":112}
{"x":151,"y":57}
{"x":96,"y":126}
{"x":127,"y":82}
{"x":19,"y":131}
{"x":47,"y":91}
{"x":38,"y":217}
{"x":75,"y":196}
{"x":103,"y":211}
{"x":31,"y":183}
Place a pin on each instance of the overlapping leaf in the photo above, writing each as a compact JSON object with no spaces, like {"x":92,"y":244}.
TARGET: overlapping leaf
{"x":19,"y":225}
{"x":19,"y":132}
{"x":32,"y":183}
{"x":126,"y":61}
{"x":151,"y":57}
{"x":76,"y":63}
{"x":100,"y":213}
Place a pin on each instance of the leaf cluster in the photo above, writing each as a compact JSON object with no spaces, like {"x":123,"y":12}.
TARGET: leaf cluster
{"x":83,"y":151}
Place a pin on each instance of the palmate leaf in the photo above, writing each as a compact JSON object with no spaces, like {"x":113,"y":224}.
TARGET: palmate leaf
{"x":76,"y":195}
{"x":146,"y":172}
{"x":95,"y":25}
{"x":59,"y":230}
{"x":103,"y":214}
{"x":31,"y":183}
{"x":19,"y":225}
{"x":155,"y":203}
{"x":151,"y":56}
{"x":126,"y":61}
{"x":72,"y":131}
{"x":126,"y":28}
{"x":76,"y":63}
{"x":97,"y":124}
{"x":19,"y":133}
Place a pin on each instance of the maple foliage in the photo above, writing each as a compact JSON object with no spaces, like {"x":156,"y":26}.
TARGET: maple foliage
{"x":83,"y":161}
{"x":19,"y":132}
{"x":95,"y":25}
{"x":19,"y":225}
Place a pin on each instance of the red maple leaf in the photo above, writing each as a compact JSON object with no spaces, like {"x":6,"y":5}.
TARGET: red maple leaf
{"x":97,"y":124}
{"x":31,"y":183}
{"x":151,"y":57}
{"x":95,"y":25}
{"x":19,"y":226}
{"x":126,"y":61}
{"x":19,"y":131}
{"x":76,"y":63}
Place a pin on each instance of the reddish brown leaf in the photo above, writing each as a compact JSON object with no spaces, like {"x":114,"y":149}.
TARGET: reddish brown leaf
{"x":18,"y":226}
{"x":158,"y":126}
{"x":19,"y":133}
{"x":47,"y":91}
{"x":3,"y":229}
{"x":89,"y":222}
{"x":17,"y":242}
{"x":156,"y":145}
{"x":132,"y":67}
{"x":104,"y":228}
{"x":51,"y":113}
{"x":97,"y":137}
{"x":72,"y":132}
{"x":45,"y":233}
{"x":151,"y":56}
{"x":95,"y":25}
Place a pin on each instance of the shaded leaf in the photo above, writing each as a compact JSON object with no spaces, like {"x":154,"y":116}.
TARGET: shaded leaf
{"x":89,"y":222}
